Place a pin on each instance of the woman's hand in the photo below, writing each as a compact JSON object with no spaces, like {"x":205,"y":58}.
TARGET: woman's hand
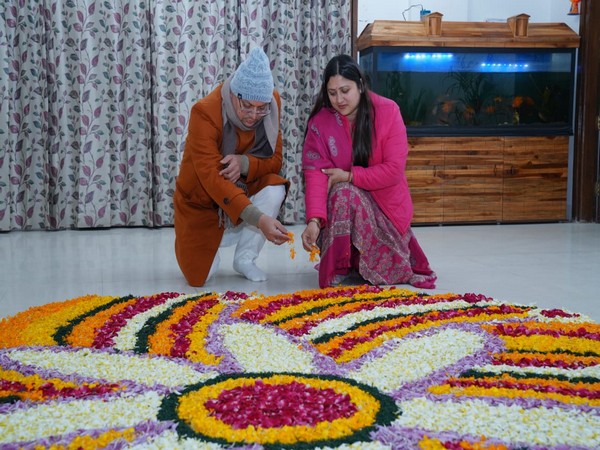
{"x":310,"y":235}
{"x":336,"y":176}
{"x":273,"y":230}
{"x":231,"y":170}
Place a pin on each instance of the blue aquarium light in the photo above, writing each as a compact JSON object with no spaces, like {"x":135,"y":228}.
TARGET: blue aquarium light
{"x":437,"y":61}
{"x":429,"y":56}
{"x":504,"y":67}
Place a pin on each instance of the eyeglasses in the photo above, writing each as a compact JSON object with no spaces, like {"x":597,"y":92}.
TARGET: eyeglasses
{"x":247,"y":108}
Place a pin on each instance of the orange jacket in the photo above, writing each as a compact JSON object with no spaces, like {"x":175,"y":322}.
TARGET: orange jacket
{"x":200,"y":191}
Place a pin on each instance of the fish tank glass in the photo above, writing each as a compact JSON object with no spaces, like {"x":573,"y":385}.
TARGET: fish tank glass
{"x":474,"y":91}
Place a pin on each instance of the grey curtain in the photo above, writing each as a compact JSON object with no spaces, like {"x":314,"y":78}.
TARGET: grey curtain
{"x":95,"y":98}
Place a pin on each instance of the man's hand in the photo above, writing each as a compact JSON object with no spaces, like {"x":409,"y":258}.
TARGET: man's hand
{"x":273,"y":230}
{"x":231,"y":170}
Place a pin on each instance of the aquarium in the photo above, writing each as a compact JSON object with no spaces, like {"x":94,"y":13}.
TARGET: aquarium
{"x":475,"y":91}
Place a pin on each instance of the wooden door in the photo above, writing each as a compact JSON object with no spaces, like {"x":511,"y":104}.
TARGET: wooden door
{"x":425,"y":163}
{"x":456,"y":179}
{"x":472,"y":179}
{"x":586,"y":160}
{"x":535,"y":179}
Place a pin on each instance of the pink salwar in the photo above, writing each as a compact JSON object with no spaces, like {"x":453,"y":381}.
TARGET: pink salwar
{"x":359,"y":239}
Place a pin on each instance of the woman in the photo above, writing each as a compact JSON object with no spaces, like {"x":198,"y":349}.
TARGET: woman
{"x":358,"y":204}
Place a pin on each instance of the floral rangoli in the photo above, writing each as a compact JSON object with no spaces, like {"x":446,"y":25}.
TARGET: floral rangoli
{"x":351,"y":367}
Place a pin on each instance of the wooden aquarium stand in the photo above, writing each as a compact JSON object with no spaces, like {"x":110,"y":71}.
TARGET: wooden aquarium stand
{"x":488,"y":179}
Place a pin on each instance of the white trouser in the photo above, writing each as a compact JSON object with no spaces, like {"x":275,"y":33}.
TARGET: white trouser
{"x":249,"y":239}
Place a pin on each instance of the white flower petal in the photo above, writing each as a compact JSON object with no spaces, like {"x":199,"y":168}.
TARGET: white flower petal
{"x":413,"y":359}
{"x":539,"y":426}
{"x":58,"y":418}
{"x":260,"y":349}
{"x":113,"y":367}
{"x":591,"y":371}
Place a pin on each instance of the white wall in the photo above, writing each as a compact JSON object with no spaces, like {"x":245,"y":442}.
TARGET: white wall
{"x":466,"y":10}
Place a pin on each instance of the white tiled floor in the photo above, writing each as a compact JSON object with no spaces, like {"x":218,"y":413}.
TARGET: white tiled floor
{"x":549,"y":265}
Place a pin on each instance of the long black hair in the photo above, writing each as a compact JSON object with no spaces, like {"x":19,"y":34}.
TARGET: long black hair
{"x":345,"y":66}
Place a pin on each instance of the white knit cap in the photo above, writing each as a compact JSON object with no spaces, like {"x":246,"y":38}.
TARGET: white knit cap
{"x":253,"y":79}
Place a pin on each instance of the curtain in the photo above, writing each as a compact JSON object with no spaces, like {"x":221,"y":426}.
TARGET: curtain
{"x":95,"y":98}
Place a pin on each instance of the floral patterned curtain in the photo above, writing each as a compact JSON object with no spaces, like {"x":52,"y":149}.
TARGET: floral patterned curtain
{"x":95,"y":98}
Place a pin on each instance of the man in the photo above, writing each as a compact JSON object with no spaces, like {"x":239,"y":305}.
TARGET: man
{"x":228,"y":190}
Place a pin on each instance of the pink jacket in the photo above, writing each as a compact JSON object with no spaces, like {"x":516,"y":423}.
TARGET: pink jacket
{"x":328,"y":144}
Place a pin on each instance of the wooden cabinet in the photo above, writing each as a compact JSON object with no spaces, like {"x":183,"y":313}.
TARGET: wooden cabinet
{"x":488,"y":179}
